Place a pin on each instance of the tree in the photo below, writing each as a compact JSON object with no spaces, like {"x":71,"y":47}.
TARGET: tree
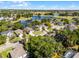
{"x":2,"y":39}
{"x":45,"y":20}
{"x":77,"y":42}
{"x":66,"y":13}
{"x":48,"y":24}
{"x":36,"y":22}
{"x":63,"y":39}
{"x":60,"y":37}
{"x":51,"y":13}
{"x":3,"y":28}
{"x":4,"y":25}
{"x":17,"y":26}
{"x":42,"y":47}
{"x":72,"y":37}
{"x":75,"y":13}
{"x":39,"y":15}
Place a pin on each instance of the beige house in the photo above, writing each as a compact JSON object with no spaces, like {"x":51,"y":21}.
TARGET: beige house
{"x":19,"y":33}
{"x":76,"y":55}
{"x":18,"y":52}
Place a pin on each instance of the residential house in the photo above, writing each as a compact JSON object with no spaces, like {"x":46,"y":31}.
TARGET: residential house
{"x":51,"y":33}
{"x":70,"y":27}
{"x":18,"y":52}
{"x":19,"y":33}
{"x":60,"y":23}
{"x":76,"y":55}
{"x":1,"y":18}
{"x":56,"y":14}
{"x":9,"y":18}
{"x":27,"y":29}
{"x":43,"y":27}
{"x":9,"y":33}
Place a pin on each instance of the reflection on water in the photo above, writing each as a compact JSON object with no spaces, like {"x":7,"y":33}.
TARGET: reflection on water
{"x":26,"y":22}
{"x":41,"y":17}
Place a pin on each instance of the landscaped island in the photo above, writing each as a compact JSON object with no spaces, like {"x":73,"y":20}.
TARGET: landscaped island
{"x":39,"y":33}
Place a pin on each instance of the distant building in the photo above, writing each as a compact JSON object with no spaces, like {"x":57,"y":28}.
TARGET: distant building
{"x":9,"y":33}
{"x":27,"y":29}
{"x":70,"y":27}
{"x":18,"y":31}
{"x":1,"y":18}
{"x":56,"y":14}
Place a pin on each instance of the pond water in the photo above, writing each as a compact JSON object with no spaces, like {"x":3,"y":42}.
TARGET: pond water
{"x":26,"y":22}
{"x":41,"y":17}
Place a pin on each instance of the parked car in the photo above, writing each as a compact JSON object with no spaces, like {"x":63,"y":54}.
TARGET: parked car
{"x":69,"y":54}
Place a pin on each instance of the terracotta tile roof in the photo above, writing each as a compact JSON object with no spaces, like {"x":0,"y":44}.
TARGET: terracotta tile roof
{"x":76,"y":55}
{"x":17,"y":52}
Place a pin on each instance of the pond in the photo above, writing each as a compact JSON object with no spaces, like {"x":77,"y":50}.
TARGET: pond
{"x":26,"y":22}
{"x":41,"y":17}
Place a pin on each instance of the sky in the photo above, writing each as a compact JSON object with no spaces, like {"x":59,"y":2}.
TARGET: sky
{"x":40,"y":5}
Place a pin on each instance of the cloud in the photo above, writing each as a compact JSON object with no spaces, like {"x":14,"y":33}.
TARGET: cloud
{"x":73,"y":6}
{"x":48,"y":7}
{"x":42,"y":7}
{"x":15,"y":5}
{"x":56,"y":7}
{"x":1,"y":2}
{"x":20,"y":4}
{"x":29,"y":5}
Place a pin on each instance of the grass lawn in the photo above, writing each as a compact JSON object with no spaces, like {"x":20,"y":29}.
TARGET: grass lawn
{"x":21,"y":18}
{"x":5,"y":53}
{"x":50,"y":29}
{"x":38,"y":32}
{"x":28,"y":35}
{"x":16,"y":39}
{"x":76,"y":47}
{"x":67,"y":17}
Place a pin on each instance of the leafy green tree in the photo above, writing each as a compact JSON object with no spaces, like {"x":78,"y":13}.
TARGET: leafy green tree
{"x":75,"y":13}
{"x":72,"y":36}
{"x":61,"y":37}
{"x":3,"y":28}
{"x":36,"y":22}
{"x":48,"y":24}
{"x":17,"y":26}
{"x":4,"y":25}
{"x":66,"y":13}
{"x":45,"y":20}
{"x":39,"y":15}
{"x":77,"y":42}
{"x":43,"y":46}
{"x":2,"y":39}
{"x":51,"y":13}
